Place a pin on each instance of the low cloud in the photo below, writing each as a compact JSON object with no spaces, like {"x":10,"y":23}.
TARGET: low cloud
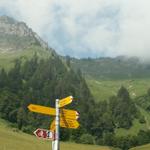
{"x":134,"y":32}
{"x":84,"y":28}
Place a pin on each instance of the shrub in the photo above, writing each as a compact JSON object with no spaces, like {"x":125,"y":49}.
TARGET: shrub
{"x":87,"y":139}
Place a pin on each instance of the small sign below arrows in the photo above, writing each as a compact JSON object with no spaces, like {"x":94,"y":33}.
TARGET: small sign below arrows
{"x":44,"y":134}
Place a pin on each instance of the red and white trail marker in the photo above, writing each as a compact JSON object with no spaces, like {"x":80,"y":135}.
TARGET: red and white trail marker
{"x":44,"y":134}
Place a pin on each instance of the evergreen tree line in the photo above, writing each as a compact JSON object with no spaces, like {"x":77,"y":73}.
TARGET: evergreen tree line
{"x":126,"y":142}
{"x":42,"y":81}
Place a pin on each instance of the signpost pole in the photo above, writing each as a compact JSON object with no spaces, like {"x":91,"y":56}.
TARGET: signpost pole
{"x":66,"y":119}
{"x":56,"y":145}
{"x":53,"y":143}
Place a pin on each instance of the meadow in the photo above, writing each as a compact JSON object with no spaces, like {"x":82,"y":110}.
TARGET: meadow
{"x":103,"y":89}
{"x":7,"y":59}
{"x":12,"y":139}
{"x":144,"y":147}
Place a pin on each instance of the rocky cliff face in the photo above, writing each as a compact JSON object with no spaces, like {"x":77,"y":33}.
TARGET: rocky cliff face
{"x":14,"y":34}
{"x":12,"y":27}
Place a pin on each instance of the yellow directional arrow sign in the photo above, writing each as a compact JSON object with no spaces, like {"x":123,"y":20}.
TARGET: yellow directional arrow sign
{"x":65,"y":123}
{"x":69,"y":123}
{"x":65,"y":101}
{"x":42,"y":109}
{"x":70,"y":114}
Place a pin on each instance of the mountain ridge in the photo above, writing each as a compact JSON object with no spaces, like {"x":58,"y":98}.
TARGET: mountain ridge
{"x":11,"y":29}
{"x":108,"y":68}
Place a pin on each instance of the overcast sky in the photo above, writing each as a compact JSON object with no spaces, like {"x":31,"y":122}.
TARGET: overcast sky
{"x":87,"y":28}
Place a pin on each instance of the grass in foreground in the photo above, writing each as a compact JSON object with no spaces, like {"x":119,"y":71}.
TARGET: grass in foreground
{"x":144,"y":147}
{"x":12,"y":140}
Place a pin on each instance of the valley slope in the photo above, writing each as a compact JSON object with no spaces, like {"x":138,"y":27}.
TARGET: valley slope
{"x":106,"y":75}
{"x":53,"y":75}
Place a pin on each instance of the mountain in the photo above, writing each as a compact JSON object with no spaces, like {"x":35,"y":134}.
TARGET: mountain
{"x":17,"y":40}
{"x":112,"y":68}
{"x":16,"y":35}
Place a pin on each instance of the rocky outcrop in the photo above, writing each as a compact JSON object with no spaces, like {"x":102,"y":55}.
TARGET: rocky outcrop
{"x":12,"y":27}
{"x":9,"y":26}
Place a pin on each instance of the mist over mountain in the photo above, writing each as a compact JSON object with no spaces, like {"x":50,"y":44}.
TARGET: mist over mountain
{"x":16,"y":36}
{"x":95,"y":28}
{"x":112,"y":68}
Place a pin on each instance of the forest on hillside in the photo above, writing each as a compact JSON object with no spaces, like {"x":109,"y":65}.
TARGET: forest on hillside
{"x":41,"y":81}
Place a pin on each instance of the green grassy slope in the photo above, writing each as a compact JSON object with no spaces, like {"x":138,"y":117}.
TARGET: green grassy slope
{"x":103,"y":89}
{"x":7,"y":58}
{"x":137,"y":126}
{"x":105,"y":75}
{"x":10,"y":139}
{"x":144,"y":147}
{"x":146,"y":114}
{"x":132,"y":131}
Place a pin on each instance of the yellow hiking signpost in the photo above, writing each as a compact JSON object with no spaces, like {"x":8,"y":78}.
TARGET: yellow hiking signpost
{"x":69,"y":123}
{"x":65,"y":101}
{"x":65,"y":118}
{"x":65,"y":123}
{"x":67,"y":113}
{"x":42,"y":109}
